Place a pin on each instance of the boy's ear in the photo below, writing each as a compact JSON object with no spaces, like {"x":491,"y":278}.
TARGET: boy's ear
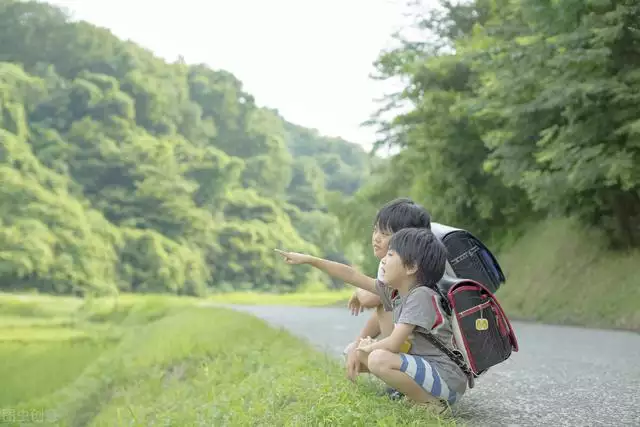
{"x":412,"y":269}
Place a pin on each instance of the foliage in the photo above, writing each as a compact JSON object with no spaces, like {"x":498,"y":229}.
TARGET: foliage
{"x":512,"y":111}
{"x":122,"y":172}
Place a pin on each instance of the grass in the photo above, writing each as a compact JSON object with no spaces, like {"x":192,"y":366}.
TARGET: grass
{"x":30,"y":371}
{"x":164,"y":361}
{"x":560,"y":273}
{"x":302,"y":299}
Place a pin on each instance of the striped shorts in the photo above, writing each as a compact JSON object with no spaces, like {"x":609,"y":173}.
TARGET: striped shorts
{"x":427,"y":377}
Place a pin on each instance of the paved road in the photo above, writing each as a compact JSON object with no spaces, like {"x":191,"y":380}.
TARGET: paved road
{"x":561,"y":376}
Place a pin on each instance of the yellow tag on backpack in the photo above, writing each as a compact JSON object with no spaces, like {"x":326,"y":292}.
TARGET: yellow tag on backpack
{"x":482,"y":324}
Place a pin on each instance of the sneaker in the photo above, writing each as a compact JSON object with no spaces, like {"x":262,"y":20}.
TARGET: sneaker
{"x":395,"y":395}
{"x":392,"y":393}
{"x":440,"y":408}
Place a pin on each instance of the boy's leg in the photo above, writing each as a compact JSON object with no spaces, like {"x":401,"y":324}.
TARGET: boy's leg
{"x":385,"y":325}
{"x":410,"y":375}
{"x":371,"y":329}
{"x":352,"y":362}
{"x":379,"y":325}
{"x":349,"y":350}
{"x":385,"y":320}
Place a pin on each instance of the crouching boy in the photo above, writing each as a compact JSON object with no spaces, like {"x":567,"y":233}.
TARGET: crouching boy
{"x":406,"y":360}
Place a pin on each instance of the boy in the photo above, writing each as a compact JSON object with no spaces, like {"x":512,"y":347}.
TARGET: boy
{"x":392,"y":217}
{"x":406,"y":360}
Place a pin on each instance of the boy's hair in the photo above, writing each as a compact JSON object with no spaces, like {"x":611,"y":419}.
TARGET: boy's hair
{"x":402,"y":213}
{"x":421,"y":248}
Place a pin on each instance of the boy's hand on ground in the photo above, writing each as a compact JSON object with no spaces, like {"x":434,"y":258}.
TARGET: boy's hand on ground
{"x":354,"y":305}
{"x":294,"y":257}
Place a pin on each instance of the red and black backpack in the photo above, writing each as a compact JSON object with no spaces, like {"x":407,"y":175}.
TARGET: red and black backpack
{"x":482,"y":334}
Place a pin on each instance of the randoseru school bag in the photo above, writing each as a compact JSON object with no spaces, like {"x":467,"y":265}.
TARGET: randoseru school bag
{"x":482,"y":334}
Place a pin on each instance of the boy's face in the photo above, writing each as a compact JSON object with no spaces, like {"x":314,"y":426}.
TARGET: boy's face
{"x":380,"y":241}
{"x":395,"y":273}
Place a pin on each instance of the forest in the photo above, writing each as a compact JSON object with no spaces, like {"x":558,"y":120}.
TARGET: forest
{"x":514,"y":112}
{"x":122,"y":172}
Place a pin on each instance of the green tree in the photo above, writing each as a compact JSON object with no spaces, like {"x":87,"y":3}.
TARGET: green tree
{"x":558,"y":91}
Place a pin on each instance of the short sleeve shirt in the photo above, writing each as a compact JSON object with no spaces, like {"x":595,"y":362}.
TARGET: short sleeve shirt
{"x":422,"y":308}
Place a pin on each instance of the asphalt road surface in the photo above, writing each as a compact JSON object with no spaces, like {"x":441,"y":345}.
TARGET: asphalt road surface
{"x":562,"y":376}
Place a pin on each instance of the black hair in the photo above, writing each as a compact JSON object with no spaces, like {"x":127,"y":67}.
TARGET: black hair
{"x":421,"y":248}
{"x":402,"y":213}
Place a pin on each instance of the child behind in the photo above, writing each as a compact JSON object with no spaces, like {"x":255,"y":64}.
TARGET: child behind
{"x":392,"y":217}
{"x":406,"y":360}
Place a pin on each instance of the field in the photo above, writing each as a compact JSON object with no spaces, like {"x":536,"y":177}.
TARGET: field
{"x":164,"y":361}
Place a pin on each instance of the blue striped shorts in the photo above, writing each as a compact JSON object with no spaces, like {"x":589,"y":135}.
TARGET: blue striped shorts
{"x":427,"y":377}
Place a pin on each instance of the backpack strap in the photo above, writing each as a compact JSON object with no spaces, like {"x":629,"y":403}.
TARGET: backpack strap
{"x":456,"y":356}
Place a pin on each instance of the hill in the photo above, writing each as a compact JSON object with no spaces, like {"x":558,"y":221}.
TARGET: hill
{"x":559,"y":272}
{"x":122,"y":172}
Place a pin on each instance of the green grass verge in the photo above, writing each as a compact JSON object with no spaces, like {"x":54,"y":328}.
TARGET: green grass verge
{"x":560,"y":273}
{"x":302,"y":299}
{"x":163,"y":361}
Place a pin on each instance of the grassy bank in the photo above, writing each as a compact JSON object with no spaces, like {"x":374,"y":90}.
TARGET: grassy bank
{"x":559,"y":273}
{"x":303,"y":299}
{"x":147,"y":361}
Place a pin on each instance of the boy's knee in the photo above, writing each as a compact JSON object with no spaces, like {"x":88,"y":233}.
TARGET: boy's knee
{"x":380,"y":360}
{"x":348,"y":349}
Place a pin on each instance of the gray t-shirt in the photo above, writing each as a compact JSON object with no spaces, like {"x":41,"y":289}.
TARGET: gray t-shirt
{"x":421,"y":307}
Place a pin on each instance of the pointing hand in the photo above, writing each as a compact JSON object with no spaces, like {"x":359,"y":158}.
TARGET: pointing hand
{"x":294,"y":257}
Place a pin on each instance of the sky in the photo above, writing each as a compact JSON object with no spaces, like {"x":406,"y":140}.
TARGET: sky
{"x":309,"y":59}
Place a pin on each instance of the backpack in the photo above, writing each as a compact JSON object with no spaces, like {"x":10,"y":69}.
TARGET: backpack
{"x":468,"y":257}
{"x":482,"y":334}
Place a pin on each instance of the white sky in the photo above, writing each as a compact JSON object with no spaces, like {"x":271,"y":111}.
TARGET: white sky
{"x":310,"y":59}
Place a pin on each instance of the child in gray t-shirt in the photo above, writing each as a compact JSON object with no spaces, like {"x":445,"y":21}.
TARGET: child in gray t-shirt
{"x":421,"y":360}
{"x":406,"y":360}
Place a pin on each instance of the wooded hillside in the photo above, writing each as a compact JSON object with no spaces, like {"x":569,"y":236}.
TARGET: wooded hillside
{"x":120,"y":171}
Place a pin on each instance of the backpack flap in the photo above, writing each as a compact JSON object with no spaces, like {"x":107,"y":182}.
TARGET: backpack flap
{"x":469,"y":257}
